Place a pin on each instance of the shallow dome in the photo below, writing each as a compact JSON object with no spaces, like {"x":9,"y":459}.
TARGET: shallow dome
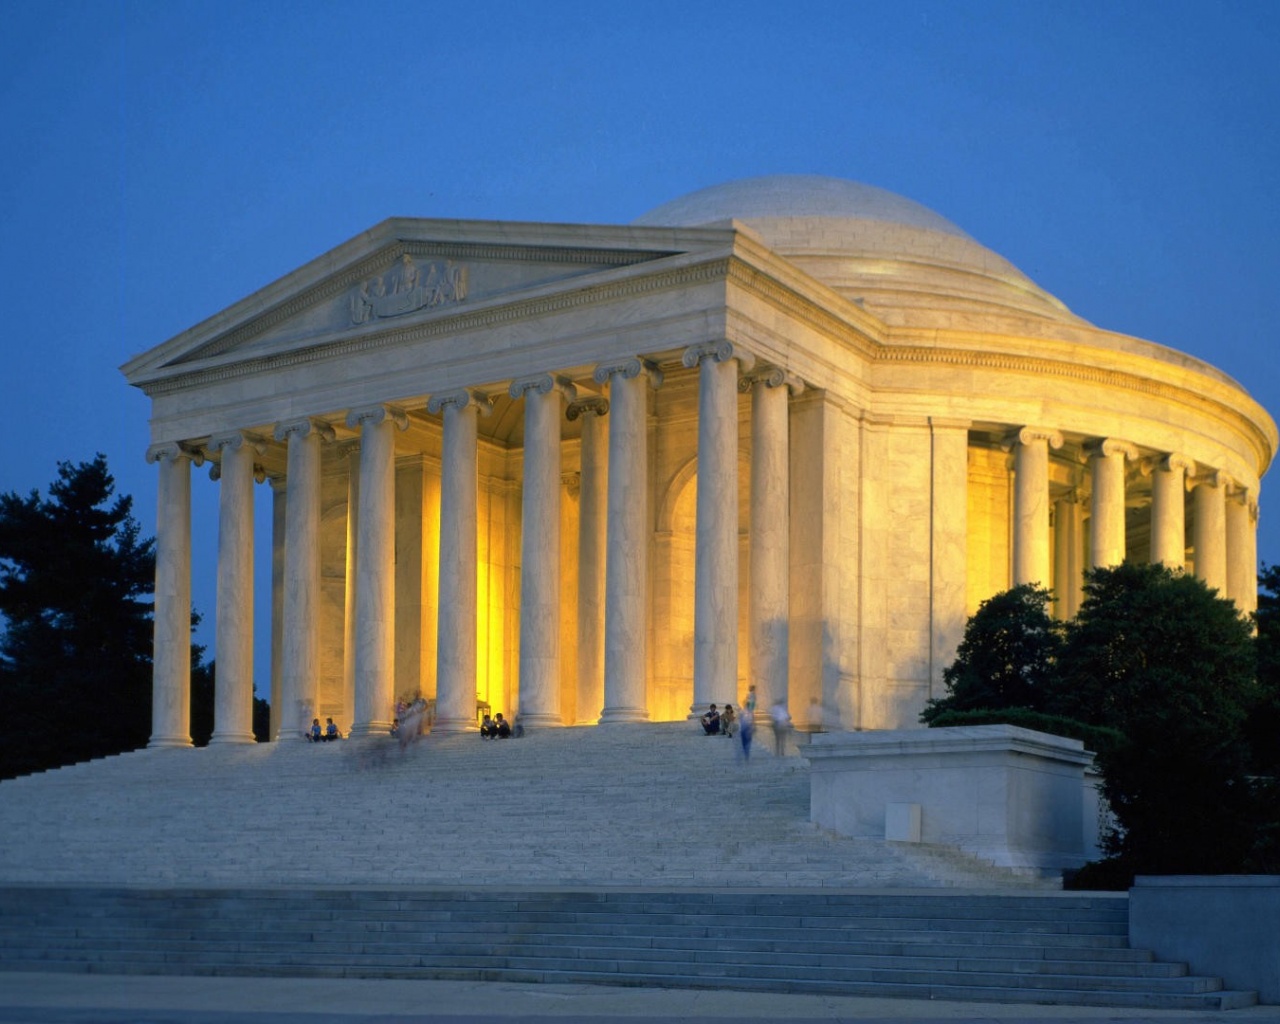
{"x":897,"y":258}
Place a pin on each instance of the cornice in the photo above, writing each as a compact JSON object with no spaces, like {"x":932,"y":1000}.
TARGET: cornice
{"x":1062,"y":369}
{"x":454,"y":323}
{"x":800,"y":308}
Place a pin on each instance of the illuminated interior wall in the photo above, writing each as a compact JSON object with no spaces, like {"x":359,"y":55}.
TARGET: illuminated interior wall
{"x":990,"y":540}
{"x":333,"y":587}
{"x":570,"y":713}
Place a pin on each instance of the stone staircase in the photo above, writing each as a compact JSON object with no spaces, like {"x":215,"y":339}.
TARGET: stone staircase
{"x":1034,"y":949}
{"x":636,"y":855}
{"x":627,"y":805}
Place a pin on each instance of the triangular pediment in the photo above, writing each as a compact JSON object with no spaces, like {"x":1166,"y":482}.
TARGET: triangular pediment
{"x":405,"y":272}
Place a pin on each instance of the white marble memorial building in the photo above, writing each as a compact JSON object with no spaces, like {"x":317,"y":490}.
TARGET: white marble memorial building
{"x":788,"y":430}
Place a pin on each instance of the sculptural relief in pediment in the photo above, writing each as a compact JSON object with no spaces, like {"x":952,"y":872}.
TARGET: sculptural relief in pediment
{"x":408,"y":288}
{"x":392,"y":290}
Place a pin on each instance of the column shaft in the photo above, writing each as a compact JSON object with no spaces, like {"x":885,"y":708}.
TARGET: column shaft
{"x":1210,"y":532}
{"x":1242,"y":573}
{"x":1031,"y":553}
{"x":1107,"y":539}
{"x":457,"y":631}
{"x":540,"y":551}
{"x":592,"y":495}
{"x":768,"y":611}
{"x":171,"y":664}
{"x":375,"y":572}
{"x":1168,"y":512}
{"x":233,"y":644}
{"x":300,"y":654}
{"x":626,"y":566}
{"x":715,"y":610}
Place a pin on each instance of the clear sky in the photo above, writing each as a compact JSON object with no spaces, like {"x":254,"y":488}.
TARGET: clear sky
{"x":165,"y":159}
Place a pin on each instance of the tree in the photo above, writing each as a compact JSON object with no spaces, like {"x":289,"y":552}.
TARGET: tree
{"x":1006,"y":658}
{"x":1162,"y":658}
{"x":75,"y":656}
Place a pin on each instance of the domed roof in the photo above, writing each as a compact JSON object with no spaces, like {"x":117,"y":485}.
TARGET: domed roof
{"x":796,"y":195}
{"x":895,"y":257}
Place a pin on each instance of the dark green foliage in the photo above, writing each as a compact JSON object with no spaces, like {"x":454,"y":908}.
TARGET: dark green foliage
{"x":1187,"y":701}
{"x":1159,"y":656}
{"x":75,"y":654}
{"x":1007,"y":656}
{"x":1263,"y":726}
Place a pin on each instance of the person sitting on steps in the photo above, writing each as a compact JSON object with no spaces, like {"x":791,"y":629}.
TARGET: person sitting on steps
{"x":331,"y":731}
{"x":727,"y":721}
{"x":488,"y":730}
{"x":711,"y":721}
{"x":314,"y":734}
{"x":502,"y":727}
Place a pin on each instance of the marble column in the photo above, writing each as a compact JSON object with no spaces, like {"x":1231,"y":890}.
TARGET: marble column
{"x":1209,"y":535}
{"x":1242,"y":572}
{"x":351,"y":452}
{"x":456,"y":634}
{"x":768,"y":546}
{"x":715,"y":602}
{"x":300,"y":654}
{"x":1168,"y":510}
{"x":171,"y":660}
{"x":626,"y":566}
{"x":592,"y":494}
{"x":1031,"y":557}
{"x":375,"y":616}
{"x":1107,"y":538}
{"x":233,"y":637}
{"x":539,"y":699}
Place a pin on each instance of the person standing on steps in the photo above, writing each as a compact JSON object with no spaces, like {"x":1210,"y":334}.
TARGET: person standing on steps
{"x":746,"y":731}
{"x":781,"y":726}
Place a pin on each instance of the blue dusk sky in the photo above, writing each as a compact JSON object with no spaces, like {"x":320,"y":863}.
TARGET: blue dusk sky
{"x":167,"y":159}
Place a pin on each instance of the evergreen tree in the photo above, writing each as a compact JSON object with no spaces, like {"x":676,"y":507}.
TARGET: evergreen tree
{"x":76,"y":580}
{"x":1162,"y":658}
{"x":1006,"y":658}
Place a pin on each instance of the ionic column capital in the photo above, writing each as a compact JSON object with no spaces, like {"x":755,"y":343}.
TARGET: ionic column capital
{"x":375,"y":414}
{"x":1209,"y":478}
{"x":1109,"y":446}
{"x":304,"y":427}
{"x":720,"y":351}
{"x":460,"y":398}
{"x":597,"y":404}
{"x":628,"y":369}
{"x":1026,"y":435}
{"x":543,"y":384}
{"x":167,"y":451}
{"x":1175,"y":461}
{"x":770,"y":377}
{"x":235,"y":440}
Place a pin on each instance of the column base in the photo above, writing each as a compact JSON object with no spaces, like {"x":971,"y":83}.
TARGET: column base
{"x":623,"y":716}
{"x":232,"y":738}
{"x":366,"y":729}
{"x":542,"y":721}
{"x":453,"y":726}
{"x":169,"y":742}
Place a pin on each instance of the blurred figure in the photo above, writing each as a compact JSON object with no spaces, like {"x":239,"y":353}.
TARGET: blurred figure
{"x":746,"y":731}
{"x":781,"y":726}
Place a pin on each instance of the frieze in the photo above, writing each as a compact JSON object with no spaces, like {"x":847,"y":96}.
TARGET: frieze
{"x":407,"y":288}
